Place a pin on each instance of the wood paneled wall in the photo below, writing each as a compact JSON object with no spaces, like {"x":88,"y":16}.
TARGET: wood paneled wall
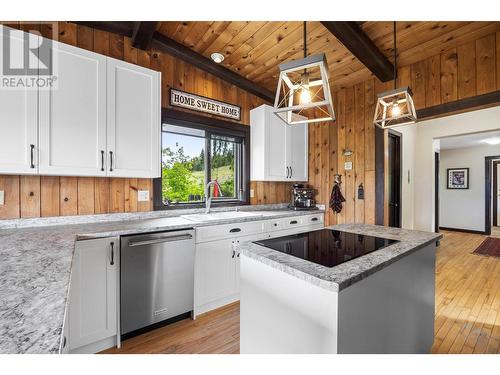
{"x":468,"y":70}
{"x":34,"y":196}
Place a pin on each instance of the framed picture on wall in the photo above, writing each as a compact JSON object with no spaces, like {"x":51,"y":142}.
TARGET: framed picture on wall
{"x":458,"y":178}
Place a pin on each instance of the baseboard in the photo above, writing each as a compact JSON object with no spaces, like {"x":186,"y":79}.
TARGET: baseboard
{"x":463,"y":230}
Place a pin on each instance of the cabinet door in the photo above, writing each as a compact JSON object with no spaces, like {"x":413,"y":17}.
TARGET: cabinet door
{"x":133,"y":120}
{"x":297,"y":151}
{"x":215,"y":271}
{"x":18,"y":115}
{"x":276,"y":148}
{"x":93,"y":292}
{"x":73,"y":114}
{"x":255,"y":237}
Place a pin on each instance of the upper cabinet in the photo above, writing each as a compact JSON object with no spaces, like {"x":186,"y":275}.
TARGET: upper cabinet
{"x":101,"y":118}
{"x":279,"y":152}
{"x":72,"y":121}
{"x":18,"y":119}
{"x":133,"y":120}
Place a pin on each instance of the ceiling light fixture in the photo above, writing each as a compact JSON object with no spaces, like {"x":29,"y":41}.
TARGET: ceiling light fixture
{"x":303,"y":93}
{"x":217,"y":57}
{"x":395,"y":107}
{"x":492,"y":141}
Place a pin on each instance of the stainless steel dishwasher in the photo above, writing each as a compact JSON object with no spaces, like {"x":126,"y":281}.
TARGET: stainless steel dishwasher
{"x":156,"y":279}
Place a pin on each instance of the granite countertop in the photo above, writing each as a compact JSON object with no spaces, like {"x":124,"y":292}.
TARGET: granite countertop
{"x":348,"y":273}
{"x":35,"y":266}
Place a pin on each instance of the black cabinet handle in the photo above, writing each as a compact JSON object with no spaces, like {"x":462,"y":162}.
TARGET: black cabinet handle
{"x":287,"y":172}
{"x":294,"y":222}
{"x":64,"y":342}
{"x":32,"y":152}
{"x":235,"y":230}
{"x":102,"y":160}
{"x":291,"y":172}
{"x":234,"y":252}
{"x":111,"y":161}
{"x":112,"y":254}
{"x":238,"y":255}
{"x":275,"y":224}
{"x":314,"y":219}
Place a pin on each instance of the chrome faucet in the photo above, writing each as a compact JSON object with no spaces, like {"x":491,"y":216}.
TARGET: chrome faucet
{"x":208,"y":198}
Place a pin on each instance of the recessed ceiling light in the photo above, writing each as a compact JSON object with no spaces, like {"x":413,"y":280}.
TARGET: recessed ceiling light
{"x":492,"y":141}
{"x":217,"y":57}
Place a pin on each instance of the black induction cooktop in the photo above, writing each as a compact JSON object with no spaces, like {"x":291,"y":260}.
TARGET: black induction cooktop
{"x":327,"y":247}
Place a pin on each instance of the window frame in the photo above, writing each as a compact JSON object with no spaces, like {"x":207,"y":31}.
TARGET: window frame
{"x":209,"y":125}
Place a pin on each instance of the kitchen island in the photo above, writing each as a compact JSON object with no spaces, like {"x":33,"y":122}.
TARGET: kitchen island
{"x":337,"y":299}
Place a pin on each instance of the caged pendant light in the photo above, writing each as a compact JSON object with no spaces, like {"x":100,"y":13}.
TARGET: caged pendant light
{"x":303,"y":93}
{"x":395,"y":107}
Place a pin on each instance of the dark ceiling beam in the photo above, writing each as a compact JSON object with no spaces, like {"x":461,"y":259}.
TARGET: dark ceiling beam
{"x":143,"y":33}
{"x":176,"y":49}
{"x":180,"y":51}
{"x":350,"y":34}
{"x":461,"y":105}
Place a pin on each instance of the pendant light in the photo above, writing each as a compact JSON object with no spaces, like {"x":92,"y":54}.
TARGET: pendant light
{"x":395,"y":107}
{"x":303,"y":93}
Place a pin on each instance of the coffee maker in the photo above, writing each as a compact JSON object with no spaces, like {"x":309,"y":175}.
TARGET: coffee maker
{"x":302,"y":198}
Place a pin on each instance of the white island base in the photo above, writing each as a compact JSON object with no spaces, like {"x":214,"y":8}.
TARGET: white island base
{"x":390,"y":311}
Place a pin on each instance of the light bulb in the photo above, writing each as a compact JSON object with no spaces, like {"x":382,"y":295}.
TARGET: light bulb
{"x":395,"y":110}
{"x":305,"y":95}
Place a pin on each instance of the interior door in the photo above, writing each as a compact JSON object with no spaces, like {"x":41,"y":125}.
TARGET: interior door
{"x":73,"y":114}
{"x":297,"y":151}
{"x":277,"y":148}
{"x":18,"y":115}
{"x":394,"y":179}
{"x":133,"y":130}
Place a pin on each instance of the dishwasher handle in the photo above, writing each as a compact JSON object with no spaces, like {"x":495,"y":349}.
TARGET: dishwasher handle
{"x":179,"y":237}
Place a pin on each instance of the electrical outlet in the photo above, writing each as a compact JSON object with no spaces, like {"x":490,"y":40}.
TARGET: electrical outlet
{"x":251,"y":193}
{"x":2,"y":197}
{"x":143,"y":195}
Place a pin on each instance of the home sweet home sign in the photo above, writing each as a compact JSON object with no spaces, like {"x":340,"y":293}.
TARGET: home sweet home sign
{"x":203,"y":104}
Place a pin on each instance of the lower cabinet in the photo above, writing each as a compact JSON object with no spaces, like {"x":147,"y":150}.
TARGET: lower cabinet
{"x":217,"y":262}
{"x":93,"y":298}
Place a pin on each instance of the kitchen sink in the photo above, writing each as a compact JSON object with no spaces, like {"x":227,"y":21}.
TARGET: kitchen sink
{"x":220,"y":216}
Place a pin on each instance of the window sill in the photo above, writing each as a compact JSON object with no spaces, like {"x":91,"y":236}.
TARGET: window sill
{"x":184,"y":206}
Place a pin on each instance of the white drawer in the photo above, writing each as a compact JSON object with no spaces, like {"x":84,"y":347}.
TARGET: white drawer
{"x":274,"y":225}
{"x":314,"y":219}
{"x":294,"y":222}
{"x":215,"y":232}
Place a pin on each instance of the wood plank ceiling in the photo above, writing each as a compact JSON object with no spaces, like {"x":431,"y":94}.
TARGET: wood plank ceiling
{"x":255,"y":49}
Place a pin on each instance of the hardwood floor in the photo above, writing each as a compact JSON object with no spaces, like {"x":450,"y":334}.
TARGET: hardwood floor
{"x":216,"y":332}
{"x":467,"y":297}
{"x":467,"y":310}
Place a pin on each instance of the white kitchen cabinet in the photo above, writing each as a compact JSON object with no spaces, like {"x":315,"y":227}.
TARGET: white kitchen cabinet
{"x":72,"y":121}
{"x":101,"y":118}
{"x":93,"y":298}
{"x":133,"y":120}
{"x":18,"y":116}
{"x":217,"y":261}
{"x":279,"y":152}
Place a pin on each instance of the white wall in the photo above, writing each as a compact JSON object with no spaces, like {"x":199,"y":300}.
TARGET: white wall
{"x":464,"y":209}
{"x":423,"y":178}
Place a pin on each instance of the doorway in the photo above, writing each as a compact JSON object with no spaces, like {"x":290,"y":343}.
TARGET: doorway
{"x":491,"y":192}
{"x":394,"y":178}
{"x":436,"y":192}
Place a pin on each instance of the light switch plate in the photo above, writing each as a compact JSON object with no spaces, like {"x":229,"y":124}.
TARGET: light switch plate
{"x":2,"y":197}
{"x":251,"y":193}
{"x":348,"y":165}
{"x":143,"y":195}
